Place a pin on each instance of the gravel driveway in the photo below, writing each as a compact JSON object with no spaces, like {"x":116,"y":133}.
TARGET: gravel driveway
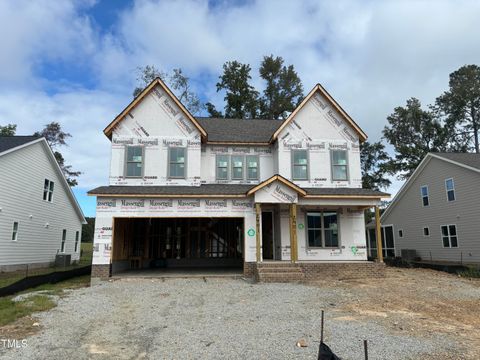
{"x":213,"y":319}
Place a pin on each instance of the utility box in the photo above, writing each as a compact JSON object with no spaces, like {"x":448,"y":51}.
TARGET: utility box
{"x":409,"y":254}
{"x":62,"y":260}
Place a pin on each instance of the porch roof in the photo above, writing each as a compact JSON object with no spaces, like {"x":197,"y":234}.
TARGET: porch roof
{"x":224,"y":190}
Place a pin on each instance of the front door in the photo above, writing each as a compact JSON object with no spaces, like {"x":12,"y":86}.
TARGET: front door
{"x":267,"y":235}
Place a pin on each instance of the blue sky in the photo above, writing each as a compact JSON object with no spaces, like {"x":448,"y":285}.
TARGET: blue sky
{"x":74,"y":61}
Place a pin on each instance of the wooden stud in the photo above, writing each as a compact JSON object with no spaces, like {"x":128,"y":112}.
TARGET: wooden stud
{"x":258,"y":210}
{"x":378,"y":229}
{"x":293,"y":233}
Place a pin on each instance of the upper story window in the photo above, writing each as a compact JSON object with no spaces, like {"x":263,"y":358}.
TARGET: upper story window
{"x":134,"y":161}
{"x":77,"y":238}
{"x":15,"y":231}
{"x":222,"y":167}
{"x":450,"y":188}
{"x":176,"y":162}
{"x":449,"y":236}
{"x":64,"y":238}
{"x":237,"y":167}
{"x":48,"y":190}
{"x":299,"y":165}
{"x":424,"y":193}
{"x":252,"y":167}
{"x":339,"y":165}
{"x":322,"y":229}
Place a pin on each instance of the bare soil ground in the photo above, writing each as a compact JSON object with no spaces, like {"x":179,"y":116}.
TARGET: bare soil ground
{"x":417,"y":302}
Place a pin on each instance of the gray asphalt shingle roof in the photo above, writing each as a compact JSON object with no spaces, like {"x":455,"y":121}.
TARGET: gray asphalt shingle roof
{"x":10,"y":142}
{"x":217,"y":189}
{"x":239,"y":130}
{"x":469,"y":159}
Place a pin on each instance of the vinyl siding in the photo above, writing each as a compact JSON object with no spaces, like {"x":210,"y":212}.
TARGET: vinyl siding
{"x":22,"y":176}
{"x":410,"y":215}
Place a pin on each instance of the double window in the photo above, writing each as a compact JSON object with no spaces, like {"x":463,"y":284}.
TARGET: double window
{"x":240,"y":166}
{"x":48,"y":190}
{"x":134,"y":167}
{"x":299,"y":165}
{"x":339,"y":165}
{"x":449,"y":236}
{"x":424,"y":193}
{"x":77,"y":238}
{"x":176,"y":162}
{"x":322,"y":229}
{"x":64,"y":238}
{"x":450,"y":188}
{"x":15,"y":231}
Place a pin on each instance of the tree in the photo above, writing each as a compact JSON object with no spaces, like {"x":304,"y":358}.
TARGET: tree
{"x":241,"y":97}
{"x":179,"y":83}
{"x":212,"y":111}
{"x":413,"y":132}
{"x":374,"y":163}
{"x":88,"y":230}
{"x":8,"y":130}
{"x":56,"y":137}
{"x":283,"y":90}
{"x":461,"y":106}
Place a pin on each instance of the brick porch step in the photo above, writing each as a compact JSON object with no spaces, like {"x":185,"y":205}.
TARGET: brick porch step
{"x":278,"y":272}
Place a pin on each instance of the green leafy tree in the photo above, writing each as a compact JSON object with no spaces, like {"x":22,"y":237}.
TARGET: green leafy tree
{"x":374,"y":163}
{"x":8,"y":130}
{"x":413,"y":132}
{"x":88,"y":230}
{"x":212,"y":111}
{"x":56,"y":137}
{"x":241,"y":98}
{"x":461,"y":107}
{"x":178,"y":82}
{"x":283,"y":90}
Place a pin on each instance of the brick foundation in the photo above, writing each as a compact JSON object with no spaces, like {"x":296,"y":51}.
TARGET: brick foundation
{"x":249,"y":269}
{"x":101,"y":271}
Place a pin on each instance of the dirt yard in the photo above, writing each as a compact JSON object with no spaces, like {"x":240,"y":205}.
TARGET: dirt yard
{"x":411,"y":314}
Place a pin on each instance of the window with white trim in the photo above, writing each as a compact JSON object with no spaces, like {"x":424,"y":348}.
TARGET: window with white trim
{"x":252,"y":167}
{"x":339,"y":165}
{"x":134,"y":161}
{"x":222,"y":167}
{"x":64,"y":238}
{"x":237,"y":167}
{"x":77,"y":238}
{"x":176,"y":162}
{"x":449,"y":236}
{"x":48,"y":190}
{"x":424,"y":193}
{"x":426,"y":231}
{"x":450,"y":189}
{"x":15,"y":231}
{"x":299,"y":165}
{"x":322,"y":229}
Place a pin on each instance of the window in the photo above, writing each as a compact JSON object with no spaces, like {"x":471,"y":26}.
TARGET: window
{"x":134,"y":161}
{"x":300,"y":165}
{"x":450,"y":188}
{"x":449,"y":236}
{"x":48,"y":190}
{"x":400,"y":233}
{"x":322,"y":229}
{"x":176,"y":163}
{"x":15,"y":231}
{"x":252,"y":167}
{"x":64,"y":237}
{"x":77,"y":236}
{"x":424,"y":192}
{"x":222,"y":167}
{"x":339,"y":165}
{"x":237,"y":167}
{"x":426,"y":231}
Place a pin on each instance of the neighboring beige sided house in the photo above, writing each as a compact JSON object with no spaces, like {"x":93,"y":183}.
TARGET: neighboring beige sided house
{"x":195,"y":192}
{"x":436,"y":212}
{"x":39,"y":215}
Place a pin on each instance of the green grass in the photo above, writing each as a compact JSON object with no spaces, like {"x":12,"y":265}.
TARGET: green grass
{"x":11,"y":310}
{"x":472,"y":272}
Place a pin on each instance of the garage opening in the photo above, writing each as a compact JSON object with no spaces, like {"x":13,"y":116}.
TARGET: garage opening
{"x":165,"y":243}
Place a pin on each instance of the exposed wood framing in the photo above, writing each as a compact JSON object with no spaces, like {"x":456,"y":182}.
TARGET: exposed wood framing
{"x":378,"y":231}
{"x":293,"y":233}
{"x":279,"y":178}
{"x":258,"y":213}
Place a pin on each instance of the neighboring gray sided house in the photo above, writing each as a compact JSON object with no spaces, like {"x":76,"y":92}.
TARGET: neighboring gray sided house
{"x":39,"y":215}
{"x":436,"y":212}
